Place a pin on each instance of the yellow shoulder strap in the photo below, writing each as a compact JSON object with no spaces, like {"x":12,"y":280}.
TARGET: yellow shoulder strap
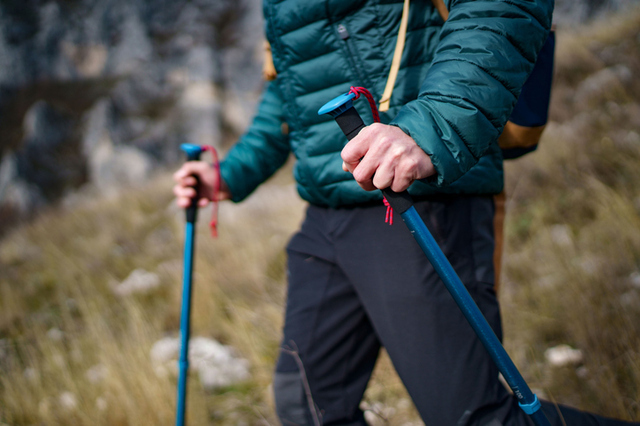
{"x":397,"y":55}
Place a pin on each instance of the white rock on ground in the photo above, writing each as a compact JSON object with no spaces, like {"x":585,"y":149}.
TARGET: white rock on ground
{"x":377,"y":414}
{"x":31,"y":374}
{"x":68,"y":400}
{"x":97,"y":373}
{"x":562,"y":355}
{"x":139,"y":281}
{"x":101,"y":403}
{"x":561,"y":235}
{"x":216,"y":364}
{"x":55,"y":334}
{"x":165,"y":350}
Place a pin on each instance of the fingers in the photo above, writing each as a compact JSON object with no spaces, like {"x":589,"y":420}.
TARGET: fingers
{"x":193,"y":179}
{"x":189,"y":170}
{"x":353,"y":152}
{"x":184,"y":195}
{"x":365,"y":170}
{"x":382,"y":171}
{"x":366,"y":157}
{"x":383,"y":156}
{"x":357,"y":159}
{"x":398,"y":169}
{"x":383,"y":177}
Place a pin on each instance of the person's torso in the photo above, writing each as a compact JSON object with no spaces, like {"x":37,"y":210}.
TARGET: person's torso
{"x":321,"y":48}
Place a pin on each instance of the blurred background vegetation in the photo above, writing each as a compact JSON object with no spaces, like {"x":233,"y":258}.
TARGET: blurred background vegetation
{"x":89,"y":134}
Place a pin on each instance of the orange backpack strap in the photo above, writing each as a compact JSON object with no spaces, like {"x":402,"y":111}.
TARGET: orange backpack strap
{"x":268,"y":69}
{"x":516,"y":136}
{"x":441,"y":8}
{"x":529,"y":117}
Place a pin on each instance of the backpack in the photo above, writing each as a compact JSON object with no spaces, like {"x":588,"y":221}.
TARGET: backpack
{"x":529,"y":117}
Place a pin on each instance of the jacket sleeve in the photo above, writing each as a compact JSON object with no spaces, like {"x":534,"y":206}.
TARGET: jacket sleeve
{"x":262,"y":150}
{"x":486,"y":51}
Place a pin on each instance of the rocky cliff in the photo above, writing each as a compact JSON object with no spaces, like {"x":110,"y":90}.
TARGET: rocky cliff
{"x":102,"y":92}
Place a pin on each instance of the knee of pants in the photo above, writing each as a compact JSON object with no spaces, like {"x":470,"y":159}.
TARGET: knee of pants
{"x":291,"y":402}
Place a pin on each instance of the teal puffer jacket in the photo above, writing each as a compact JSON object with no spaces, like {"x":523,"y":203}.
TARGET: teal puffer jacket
{"x":456,"y":88}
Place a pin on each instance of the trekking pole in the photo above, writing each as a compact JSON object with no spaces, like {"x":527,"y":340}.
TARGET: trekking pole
{"x":350,"y":122}
{"x":193,"y":154}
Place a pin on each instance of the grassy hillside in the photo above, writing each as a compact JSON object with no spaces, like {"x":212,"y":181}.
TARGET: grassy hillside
{"x":73,"y":351}
{"x":572,"y":260}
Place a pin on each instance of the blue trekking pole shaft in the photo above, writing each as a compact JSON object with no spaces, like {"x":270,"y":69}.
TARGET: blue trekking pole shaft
{"x":193,"y":154}
{"x":342,"y":110}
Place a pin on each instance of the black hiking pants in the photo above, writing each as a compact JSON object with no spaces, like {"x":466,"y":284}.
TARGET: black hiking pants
{"x":357,"y":284}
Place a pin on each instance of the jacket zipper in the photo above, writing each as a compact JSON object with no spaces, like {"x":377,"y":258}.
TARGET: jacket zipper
{"x":352,"y":56}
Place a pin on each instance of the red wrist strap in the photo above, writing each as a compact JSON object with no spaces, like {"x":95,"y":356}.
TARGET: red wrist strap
{"x":213,"y":224}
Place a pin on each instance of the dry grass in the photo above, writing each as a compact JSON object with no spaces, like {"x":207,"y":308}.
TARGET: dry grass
{"x":573,"y":249}
{"x":573,"y":229}
{"x":59,"y":316}
{"x":60,"y":320}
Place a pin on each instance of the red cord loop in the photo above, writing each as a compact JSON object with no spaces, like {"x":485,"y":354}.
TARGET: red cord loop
{"x":374,"y":109}
{"x":389,"y":216}
{"x":376,"y":117}
{"x":213,"y":224}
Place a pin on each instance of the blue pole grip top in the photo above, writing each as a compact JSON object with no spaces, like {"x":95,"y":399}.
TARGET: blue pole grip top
{"x":193,"y":151}
{"x":337,"y":105}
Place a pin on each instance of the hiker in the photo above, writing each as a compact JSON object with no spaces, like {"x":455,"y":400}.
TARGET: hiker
{"x":357,"y":284}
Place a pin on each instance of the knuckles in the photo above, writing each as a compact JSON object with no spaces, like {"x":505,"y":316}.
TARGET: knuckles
{"x":390,"y":149}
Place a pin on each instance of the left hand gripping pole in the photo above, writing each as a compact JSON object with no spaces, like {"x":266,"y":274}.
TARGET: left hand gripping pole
{"x":350,"y":122}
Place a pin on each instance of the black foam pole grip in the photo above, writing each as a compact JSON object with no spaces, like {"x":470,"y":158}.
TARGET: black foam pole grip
{"x":399,"y":201}
{"x":191,"y":212}
{"x":351,"y":123}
